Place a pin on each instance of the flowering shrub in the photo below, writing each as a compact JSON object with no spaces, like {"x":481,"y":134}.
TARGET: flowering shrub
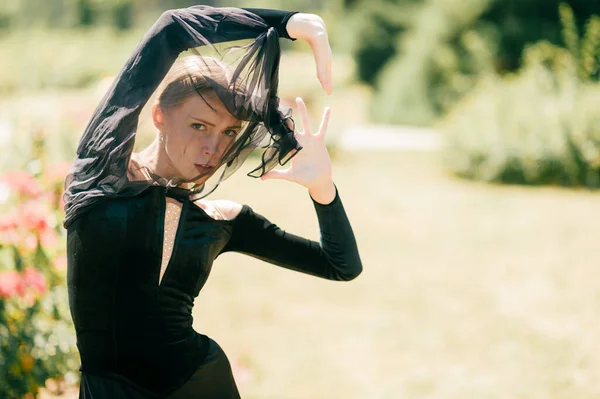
{"x":37,"y":340}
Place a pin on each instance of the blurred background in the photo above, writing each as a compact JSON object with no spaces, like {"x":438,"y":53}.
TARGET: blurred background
{"x":465,"y":136}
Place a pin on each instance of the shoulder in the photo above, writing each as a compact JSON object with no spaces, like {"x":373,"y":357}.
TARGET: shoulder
{"x":220,"y":209}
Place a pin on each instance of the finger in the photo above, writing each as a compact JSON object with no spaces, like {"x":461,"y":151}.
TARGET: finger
{"x":324,"y":123}
{"x":304,"y":114}
{"x":277,"y":174}
{"x":322,"y":54}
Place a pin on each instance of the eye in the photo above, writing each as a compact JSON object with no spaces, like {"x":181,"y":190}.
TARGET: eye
{"x":230,"y":132}
{"x":198,"y":126}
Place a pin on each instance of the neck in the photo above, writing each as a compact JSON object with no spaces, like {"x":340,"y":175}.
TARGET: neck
{"x":155,"y":158}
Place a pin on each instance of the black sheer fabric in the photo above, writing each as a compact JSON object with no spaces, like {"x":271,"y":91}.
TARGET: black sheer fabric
{"x":248,"y":90}
{"x":134,"y":328}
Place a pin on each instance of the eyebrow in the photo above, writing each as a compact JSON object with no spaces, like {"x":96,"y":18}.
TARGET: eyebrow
{"x":213,"y":125}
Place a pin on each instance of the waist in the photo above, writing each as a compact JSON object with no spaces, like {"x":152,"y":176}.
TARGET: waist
{"x":156,"y":366}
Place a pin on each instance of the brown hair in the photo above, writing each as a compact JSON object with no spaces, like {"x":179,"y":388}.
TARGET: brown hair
{"x":188,"y":76}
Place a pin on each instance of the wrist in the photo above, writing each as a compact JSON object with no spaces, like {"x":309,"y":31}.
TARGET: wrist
{"x":307,"y":27}
{"x":323,"y":193}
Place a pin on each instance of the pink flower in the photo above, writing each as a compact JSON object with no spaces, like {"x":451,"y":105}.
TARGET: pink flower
{"x":34,"y":279}
{"x":11,"y":284}
{"x":9,"y":229}
{"x":31,"y":242}
{"x":9,"y":222}
{"x":57,"y":171}
{"x":60,"y":263}
{"x":34,"y":216}
{"x":23,"y":183}
{"x":10,"y":237}
{"x":49,"y":238}
{"x":61,"y":203}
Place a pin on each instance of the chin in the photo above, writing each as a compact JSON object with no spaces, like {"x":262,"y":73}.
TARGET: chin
{"x":199,"y":180}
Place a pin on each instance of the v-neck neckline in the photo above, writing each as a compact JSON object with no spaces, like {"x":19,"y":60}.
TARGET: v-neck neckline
{"x":176,"y":238}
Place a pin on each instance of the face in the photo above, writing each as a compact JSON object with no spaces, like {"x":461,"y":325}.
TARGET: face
{"x":196,"y":136}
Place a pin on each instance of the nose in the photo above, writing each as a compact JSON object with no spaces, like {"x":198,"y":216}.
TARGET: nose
{"x":210,"y":146}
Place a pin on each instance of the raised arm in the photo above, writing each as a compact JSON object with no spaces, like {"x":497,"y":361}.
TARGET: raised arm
{"x":335,"y":257}
{"x":113,"y":124}
{"x":101,"y":162}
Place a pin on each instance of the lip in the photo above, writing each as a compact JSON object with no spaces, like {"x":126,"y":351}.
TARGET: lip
{"x":204,"y":168}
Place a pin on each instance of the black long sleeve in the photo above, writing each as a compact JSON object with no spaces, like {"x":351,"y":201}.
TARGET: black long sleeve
{"x":119,"y":110}
{"x":103,"y":153}
{"x":275,"y":18}
{"x":336,"y":257}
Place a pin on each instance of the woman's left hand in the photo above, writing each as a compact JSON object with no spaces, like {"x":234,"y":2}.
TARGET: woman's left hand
{"x":311,"y":28}
{"x":311,"y":167}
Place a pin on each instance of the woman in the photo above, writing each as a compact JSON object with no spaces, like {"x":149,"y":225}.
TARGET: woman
{"x":141,"y":240}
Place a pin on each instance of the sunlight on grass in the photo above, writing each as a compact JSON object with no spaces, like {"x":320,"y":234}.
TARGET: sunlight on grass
{"x":469,"y":290}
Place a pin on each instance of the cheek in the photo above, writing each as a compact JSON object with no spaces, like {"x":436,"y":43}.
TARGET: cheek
{"x":225,"y":143}
{"x":177,"y":140}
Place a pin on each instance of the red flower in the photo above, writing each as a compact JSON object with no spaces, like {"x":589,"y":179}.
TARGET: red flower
{"x":11,"y":284}
{"x":23,"y":183}
{"x":34,"y":279}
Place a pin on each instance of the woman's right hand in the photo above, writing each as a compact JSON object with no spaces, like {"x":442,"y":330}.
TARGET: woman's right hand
{"x":311,"y":28}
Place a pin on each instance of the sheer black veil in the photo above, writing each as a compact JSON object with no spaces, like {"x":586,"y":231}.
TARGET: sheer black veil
{"x":233,"y":37}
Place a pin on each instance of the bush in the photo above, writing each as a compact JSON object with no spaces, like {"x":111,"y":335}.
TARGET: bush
{"x":37,"y":340}
{"x":440,"y":56}
{"x":423,"y":56}
{"x":538,"y":126}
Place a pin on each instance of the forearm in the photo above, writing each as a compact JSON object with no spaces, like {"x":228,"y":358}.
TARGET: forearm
{"x":275,"y":18}
{"x":174,"y":32}
{"x":335,"y":257}
{"x":337,"y":237}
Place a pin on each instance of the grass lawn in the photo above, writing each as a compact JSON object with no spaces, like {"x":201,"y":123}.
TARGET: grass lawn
{"x":468,"y":291}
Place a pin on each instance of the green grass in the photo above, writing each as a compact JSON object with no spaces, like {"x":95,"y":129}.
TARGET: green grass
{"x":468,"y":290}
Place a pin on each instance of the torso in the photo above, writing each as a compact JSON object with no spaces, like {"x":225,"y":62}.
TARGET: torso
{"x":217,"y":210}
{"x":141,"y":295}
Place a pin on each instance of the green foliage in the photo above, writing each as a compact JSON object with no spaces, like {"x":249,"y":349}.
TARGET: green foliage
{"x":433,"y":65}
{"x":30,"y":61}
{"x":424,"y":56}
{"x":373,"y":28}
{"x":586,"y":52}
{"x":120,"y":14}
{"x":539,"y":126}
{"x":37,"y":340}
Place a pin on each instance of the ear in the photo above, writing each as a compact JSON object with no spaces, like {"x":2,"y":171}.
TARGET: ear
{"x":158,"y":117}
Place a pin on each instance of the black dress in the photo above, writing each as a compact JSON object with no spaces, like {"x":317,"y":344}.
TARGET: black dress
{"x":134,"y":330}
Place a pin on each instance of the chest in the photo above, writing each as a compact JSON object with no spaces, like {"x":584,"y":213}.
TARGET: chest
{"x":174,"y":242}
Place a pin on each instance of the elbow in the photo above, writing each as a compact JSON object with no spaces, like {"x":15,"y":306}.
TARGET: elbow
{"x":350,"y":275}
{"x":167,"y":17}
{"x":171,"y":17}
